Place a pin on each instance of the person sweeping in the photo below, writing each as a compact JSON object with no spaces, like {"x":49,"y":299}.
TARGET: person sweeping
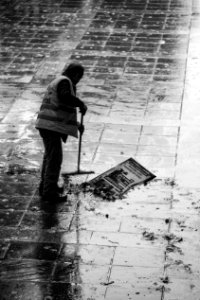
{"x":56,"y":120}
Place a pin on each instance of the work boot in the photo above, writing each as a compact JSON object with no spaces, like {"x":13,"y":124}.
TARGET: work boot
{"x":54,"y":198}
{"x":59,"y":189}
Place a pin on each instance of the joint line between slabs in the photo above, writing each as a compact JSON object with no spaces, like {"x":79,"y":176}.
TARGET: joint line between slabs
{"x":110,"y":270}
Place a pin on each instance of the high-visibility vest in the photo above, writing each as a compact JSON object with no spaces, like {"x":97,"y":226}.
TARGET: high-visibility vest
{"x":55,"y":116}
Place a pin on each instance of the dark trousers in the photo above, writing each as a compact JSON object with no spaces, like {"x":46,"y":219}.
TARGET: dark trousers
{"x":52,"y":161}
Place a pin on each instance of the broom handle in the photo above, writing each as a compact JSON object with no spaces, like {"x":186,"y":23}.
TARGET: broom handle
{"x":79,"y":146}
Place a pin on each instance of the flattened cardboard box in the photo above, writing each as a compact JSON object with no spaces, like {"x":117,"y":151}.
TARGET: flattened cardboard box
{"x":123,"y":177}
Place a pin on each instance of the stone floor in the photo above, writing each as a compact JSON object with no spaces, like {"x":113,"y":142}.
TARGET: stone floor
{"x":141,"y":86}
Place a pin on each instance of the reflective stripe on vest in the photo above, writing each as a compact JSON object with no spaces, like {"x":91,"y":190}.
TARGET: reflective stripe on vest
{"x":56,"y":119}
{"x":59,"y":107}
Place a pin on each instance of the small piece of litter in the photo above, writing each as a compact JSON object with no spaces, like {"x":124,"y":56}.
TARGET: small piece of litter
{"x":107,"y":283}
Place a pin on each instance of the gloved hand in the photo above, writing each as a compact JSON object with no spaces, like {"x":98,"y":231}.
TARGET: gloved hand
{"x":83,"y":109}
{"x":81,"y":128}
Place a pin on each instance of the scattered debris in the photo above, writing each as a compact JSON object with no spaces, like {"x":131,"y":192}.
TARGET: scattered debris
{"x":187,"y":268}
{"x":165,"y":279}
{"x":86,"y":187}
{"x":73,"y":188}
{"x":160,"y":288}
{"x":149,"y":235}
{"x":35,"y":208}
{"x":113,"y":242}
{"x":2,"y":165}
{"x":90,"y":208}
{"x":172,"y":238}
{"x":39,"y":55}
{"x":107,"y":283}
{"x":197,"y":207}
{"x":99,"y":189}
{"x":17,"y":169}
{"x":170,"y":182}
{"x":174,"y":248}
{"x":179,"y":262}
{"x":181,"y":223}
{"x":167,"y":221}
{"x":195,"y":14}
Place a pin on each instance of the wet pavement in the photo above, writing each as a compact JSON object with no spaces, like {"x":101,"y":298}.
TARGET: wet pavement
{"x":142,"y":89}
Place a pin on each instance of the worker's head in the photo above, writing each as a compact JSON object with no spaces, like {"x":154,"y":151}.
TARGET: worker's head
{"x":74,"y":71}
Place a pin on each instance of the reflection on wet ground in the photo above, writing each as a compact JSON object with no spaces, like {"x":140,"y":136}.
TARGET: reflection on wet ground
{"x":141,"y":60}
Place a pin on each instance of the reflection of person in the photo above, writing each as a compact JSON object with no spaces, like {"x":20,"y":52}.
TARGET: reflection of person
{"x":56,"y":120}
